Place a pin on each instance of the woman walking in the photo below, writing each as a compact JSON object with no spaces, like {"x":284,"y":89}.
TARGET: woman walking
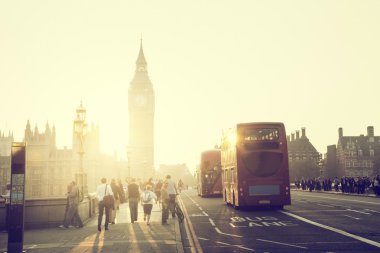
{"x":147,"y":198}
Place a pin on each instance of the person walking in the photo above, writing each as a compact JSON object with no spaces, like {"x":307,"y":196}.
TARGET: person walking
{"x":72,"y":215}
{"x":164,"y":203}
{"x":147,"y":200}
{"x":101,"y":191}
{"x":134,"y":198}
{"x":172,"y":191}
{"x":121,"y":191}
{"x":116,"y":195}
{"x":157,"y":191}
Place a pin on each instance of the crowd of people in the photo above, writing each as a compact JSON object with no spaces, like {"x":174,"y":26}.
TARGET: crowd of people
{"x":358,"y":185}
{"x":161,"y":192}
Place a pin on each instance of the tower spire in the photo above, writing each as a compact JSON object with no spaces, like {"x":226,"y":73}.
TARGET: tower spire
{"x":141,"y":58}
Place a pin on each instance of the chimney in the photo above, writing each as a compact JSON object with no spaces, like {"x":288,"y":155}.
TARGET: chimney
{"x":303,"y":132}
{"x":370,"y":131}
{"x":292,"y":136}
{"x":340,"y":130}
{"x":297,"y":134}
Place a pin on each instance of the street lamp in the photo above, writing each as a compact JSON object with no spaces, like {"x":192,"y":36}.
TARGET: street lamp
{"x":80,"y":129}
{"x":129,"y":163}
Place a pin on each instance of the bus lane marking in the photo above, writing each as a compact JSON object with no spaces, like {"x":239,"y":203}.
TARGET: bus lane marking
{"x":286,"y":244}
{"x":265,"y":221}
{"x":336,"y":230}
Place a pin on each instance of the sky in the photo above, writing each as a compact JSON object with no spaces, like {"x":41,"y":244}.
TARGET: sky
{"x":213,"y":64}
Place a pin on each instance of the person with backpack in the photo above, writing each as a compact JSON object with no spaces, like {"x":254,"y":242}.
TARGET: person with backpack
{"x":147,"y":198}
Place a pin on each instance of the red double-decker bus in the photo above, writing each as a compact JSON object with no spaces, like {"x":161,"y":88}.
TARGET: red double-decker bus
{"x":254,"y":158}
{"x":209,"y":174}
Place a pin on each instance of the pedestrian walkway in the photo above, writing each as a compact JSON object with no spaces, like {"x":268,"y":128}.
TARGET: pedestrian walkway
{"x":121,"y":237}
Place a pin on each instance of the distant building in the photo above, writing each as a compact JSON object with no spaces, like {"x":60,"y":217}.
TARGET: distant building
{"x":330,"y":163}
{"x":5,"y":159}
{"x":303,"y":157}
{"x":357,"y":156}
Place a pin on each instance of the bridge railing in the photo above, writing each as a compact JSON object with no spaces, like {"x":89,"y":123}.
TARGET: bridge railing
{"x":49,"y":212}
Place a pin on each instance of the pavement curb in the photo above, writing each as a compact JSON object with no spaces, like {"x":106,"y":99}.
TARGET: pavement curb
{"x":178,"y":237}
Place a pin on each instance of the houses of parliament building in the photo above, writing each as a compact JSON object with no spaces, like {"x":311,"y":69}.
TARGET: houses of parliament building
{"x":49,"y":169}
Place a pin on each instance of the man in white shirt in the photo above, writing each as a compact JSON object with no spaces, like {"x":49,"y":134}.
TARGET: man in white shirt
{"x":172,"y":192}
{"x":101,"y":191}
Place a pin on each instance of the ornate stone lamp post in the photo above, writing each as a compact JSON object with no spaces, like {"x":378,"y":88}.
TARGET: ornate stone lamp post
{"x":80,"y":130}
{"x":129,"y":163}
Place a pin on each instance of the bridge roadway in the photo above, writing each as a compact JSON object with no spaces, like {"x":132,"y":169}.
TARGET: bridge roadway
{"x":315,"y":222}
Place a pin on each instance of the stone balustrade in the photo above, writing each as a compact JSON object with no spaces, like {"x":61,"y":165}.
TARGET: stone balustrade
{"x":49,"y":212}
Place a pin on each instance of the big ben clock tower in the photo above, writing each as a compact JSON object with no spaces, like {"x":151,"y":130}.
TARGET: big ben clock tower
{"x":141,"y":122}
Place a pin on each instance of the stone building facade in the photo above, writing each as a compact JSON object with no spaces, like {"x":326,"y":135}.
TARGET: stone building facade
{"x":5,"y":159}
{"x":356,"y":156}
{"x":303,"y":157}
{"x":49,"y":169}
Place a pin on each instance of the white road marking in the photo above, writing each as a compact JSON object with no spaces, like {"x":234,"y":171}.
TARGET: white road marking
{"x":200,"y":208}
{"x":234,"y":226}
{"x":212,"y":222}
{"x":238,"y":246}
{"x":358,"y":211}
{"x":312,"y":211}
{"x":290,"y":245}
{"x":372,"y":211}
{"x":204,"y":239}
{"x":198,"y":214}
{"x":325,"y":205}
{"x":220,"y":232}
{"x":241,"y":247}
{"x":362,"y":239}
{"x":343,"y":199}
{"x":204,"y":213}
{"x":352,"y":217}
{"x":223,"y":243}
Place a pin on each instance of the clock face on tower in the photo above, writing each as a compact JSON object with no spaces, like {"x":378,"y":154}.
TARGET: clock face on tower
{"x":139,"y":100}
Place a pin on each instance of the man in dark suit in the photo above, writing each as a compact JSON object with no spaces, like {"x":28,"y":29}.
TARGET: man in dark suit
{"x":134,"y":198}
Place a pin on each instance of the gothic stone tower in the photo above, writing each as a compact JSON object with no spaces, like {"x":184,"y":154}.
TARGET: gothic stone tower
{"x":141,"y":122}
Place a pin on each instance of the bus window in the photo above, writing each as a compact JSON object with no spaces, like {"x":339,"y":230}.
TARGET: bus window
{"x":261,"y":134}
